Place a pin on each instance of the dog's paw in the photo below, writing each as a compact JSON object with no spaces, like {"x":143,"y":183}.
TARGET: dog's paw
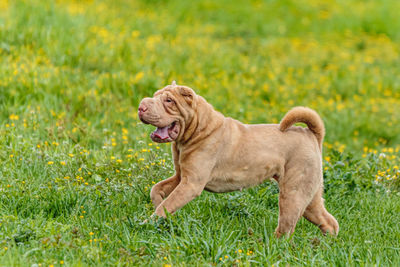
{"x":148,"y":220}
{"x":151,"y":219}
{"x":144,"y":222}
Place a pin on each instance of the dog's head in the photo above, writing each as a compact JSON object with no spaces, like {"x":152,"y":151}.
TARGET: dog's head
{"x":170,"y":109}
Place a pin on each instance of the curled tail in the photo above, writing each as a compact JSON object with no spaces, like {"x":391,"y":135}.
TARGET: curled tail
{"x":307,"y":116}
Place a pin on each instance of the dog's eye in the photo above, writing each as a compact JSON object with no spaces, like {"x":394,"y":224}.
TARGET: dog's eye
{"x":169,"y":100}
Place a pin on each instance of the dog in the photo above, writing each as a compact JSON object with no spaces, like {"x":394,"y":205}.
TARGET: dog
{"x":219,"y":154}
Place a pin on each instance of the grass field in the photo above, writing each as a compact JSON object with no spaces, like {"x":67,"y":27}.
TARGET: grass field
{"x":77,"y":166}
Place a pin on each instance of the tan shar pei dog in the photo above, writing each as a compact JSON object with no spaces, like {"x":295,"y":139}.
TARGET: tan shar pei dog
{"x":221,"y":154}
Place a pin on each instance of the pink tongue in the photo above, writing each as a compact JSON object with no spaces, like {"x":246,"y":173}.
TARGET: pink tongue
{"x":162,"y":133}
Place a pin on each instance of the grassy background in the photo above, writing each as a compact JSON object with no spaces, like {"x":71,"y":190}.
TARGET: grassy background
{"x":77,"y":165}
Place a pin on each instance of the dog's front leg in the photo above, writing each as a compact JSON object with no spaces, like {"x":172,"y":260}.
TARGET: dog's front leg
{"x":195,"y":171}
{"x":183,"y":194}
{"x":194,"y":174}
{"x":162,"y":189}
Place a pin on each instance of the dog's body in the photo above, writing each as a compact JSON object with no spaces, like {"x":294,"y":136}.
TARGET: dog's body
{"x":239,"y":164}
{"x":221,"y":154}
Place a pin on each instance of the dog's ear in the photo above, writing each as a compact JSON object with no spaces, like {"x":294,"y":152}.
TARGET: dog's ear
{"x":188,"y":94}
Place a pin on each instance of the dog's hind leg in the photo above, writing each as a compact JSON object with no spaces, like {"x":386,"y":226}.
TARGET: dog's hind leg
{"x":291,"y":207}
{"x":318,"y":215}
{"x":296,"y":192}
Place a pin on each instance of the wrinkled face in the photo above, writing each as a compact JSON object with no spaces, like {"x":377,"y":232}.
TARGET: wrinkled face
{"x":169,"y":110}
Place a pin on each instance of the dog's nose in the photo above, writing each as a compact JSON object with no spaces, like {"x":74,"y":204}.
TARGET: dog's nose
{"x":142,"y":108}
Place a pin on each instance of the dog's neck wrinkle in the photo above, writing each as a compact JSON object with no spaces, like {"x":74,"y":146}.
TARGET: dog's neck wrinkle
{"x":187,"y":125}
{"x":189,"y":128}
{"x":199,"y":127}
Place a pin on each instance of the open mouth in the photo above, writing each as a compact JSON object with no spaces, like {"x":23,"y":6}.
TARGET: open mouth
{"x":166,"y":134}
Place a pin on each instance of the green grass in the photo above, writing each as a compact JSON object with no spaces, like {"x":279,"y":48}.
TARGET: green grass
{"x":77,"y":166}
